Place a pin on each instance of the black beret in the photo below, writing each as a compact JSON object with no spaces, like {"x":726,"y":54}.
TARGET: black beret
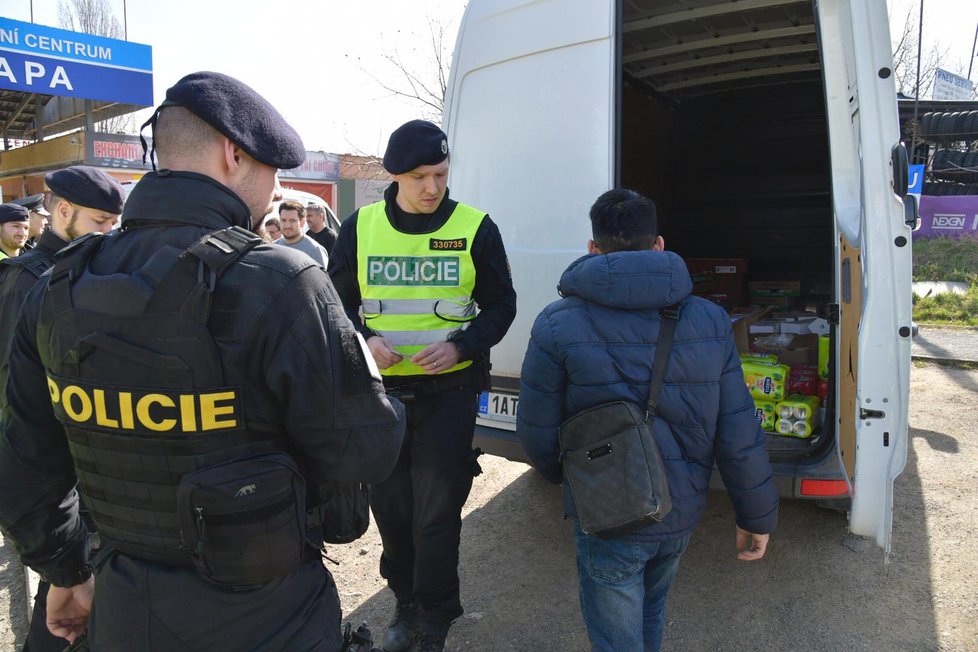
{"x":13,"y":213}
{"x":33,"y":203}
{"x":237,"y":111}
{"x":415,"y":143}
{"x":87,"y":187}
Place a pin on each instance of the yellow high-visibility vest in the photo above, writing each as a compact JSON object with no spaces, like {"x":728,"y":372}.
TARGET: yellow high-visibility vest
{"x":416,"y":289}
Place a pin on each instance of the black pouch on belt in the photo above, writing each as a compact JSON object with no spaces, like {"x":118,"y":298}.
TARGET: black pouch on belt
{"x":244,"y":522}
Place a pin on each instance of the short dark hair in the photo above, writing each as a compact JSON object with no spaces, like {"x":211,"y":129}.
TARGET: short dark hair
{"x":290,"y":205}
{"x":623,"y":220}
{"x":312,"y":207}
{"x":275,"y":221}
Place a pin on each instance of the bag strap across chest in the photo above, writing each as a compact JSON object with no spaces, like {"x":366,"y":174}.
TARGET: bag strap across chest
{"x":670,"y":317}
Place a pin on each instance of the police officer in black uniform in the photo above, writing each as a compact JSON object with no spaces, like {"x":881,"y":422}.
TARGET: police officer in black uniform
{"x":203,"y":390}
{"x":84,"y":200}
{"x":38,"y":217}
{"x":416,"y":265}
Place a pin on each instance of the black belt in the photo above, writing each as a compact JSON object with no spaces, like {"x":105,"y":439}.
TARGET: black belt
{"x":413,"y":387}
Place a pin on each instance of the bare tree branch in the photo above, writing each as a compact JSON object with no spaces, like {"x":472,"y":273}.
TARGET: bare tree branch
{"x":905,"y":59}
{"x":96,"y":17}
{"x":428,"y":86}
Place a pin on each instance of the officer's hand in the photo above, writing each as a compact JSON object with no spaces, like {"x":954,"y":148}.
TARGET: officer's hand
{"x":437,"y":357}
{"x":68,"y":609}
{"x":384,"y":354}
{"x":751,"y":545}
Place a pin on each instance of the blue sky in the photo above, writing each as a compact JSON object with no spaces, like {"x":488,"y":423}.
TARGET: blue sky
{"x":308,"y":57}
{"x":314,"y":58}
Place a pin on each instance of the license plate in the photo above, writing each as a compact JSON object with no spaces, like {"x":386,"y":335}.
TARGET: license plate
{"x":498,"y":406}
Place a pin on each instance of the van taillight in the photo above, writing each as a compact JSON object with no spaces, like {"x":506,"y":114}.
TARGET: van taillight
{"x":824,"y":488}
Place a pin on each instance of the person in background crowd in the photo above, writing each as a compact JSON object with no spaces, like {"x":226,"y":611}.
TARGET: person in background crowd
{"x":38,"y":219}
{"x":418,"y":264}
{"x":273,"y":228}
{"x":14,"y":225}
{"x":84,"y":200}
{"x":292,"y":215}
{"x":596,"y":345}
{"x":319,"y":230}
{"x":200,"y":391}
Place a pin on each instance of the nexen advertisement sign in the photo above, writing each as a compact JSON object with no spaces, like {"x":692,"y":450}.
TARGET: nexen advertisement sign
{"x":50,"y":61}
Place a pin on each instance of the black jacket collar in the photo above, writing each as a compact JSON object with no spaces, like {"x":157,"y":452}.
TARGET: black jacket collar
{"x":168,"y":197}
{"x":50,"y":242}
{"x":416,"y":222}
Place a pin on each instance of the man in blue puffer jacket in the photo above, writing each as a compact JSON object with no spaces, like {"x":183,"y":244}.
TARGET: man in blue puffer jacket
{"x":596,"y":345}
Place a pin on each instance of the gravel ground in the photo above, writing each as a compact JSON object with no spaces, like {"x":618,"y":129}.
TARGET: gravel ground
{"x":818,"y":588}
{"x":946,"y":343}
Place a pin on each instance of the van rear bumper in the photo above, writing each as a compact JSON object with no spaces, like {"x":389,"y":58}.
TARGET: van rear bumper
{"x":499,"y":442}
{"x":788,"y":477}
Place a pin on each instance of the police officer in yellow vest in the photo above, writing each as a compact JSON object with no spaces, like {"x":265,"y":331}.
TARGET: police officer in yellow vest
{"x":426,"y":280}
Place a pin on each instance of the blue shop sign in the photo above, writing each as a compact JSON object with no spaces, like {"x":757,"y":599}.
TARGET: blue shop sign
{"x":50,"y":61}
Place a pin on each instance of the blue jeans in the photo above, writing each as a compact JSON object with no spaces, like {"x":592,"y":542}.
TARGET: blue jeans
{"x":624,"y":583}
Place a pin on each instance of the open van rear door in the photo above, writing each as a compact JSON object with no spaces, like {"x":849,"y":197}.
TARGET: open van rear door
{"x":874,"y":257}
{"x":541,"y":203}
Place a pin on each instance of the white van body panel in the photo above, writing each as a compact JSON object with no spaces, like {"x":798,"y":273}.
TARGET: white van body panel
{"x":531,"y":119}
{"x":530,"y":122}
{"x":862,"y":138}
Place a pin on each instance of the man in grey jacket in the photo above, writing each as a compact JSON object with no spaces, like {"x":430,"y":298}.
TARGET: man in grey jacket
{"x":596,"y":345}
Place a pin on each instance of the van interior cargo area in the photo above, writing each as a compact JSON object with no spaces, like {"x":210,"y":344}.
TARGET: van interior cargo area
{"x":723,"y":124}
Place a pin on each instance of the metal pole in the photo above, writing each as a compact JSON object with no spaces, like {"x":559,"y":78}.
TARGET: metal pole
{"x":32,"y":11}
{"x":125,"y":22}
{"x":916,"y":99}
{"x":973,"y":44}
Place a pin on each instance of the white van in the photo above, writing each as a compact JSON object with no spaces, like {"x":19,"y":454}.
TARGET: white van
{"x":763,"y":129}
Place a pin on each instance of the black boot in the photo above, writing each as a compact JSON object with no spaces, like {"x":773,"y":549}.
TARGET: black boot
{"x":431,"y":636}
{"x":403,"y":628}
{"x":428,"y":642}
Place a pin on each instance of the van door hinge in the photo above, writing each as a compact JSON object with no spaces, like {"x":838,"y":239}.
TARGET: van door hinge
{"x":871,"y":414}
{"x":829,"y":312}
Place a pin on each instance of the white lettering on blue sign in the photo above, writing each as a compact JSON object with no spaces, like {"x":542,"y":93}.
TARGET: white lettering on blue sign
{"x":11,"y":36}
{"x":34,"y":70}
{"x":66,"y":46}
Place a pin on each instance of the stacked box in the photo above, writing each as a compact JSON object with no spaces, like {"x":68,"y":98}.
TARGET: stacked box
{"x":780,"y":295}
{"x":796,"y":415}
{"x":766,"y":413}
{"x":766,"y":380}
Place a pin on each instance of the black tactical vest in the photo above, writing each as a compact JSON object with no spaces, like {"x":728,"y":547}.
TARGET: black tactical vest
{"x":137,"y":381}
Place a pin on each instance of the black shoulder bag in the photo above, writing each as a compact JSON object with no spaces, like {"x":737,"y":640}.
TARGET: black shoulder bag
{"x":611,"y":461}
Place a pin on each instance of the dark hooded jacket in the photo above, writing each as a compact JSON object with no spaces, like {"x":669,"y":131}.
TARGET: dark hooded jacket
{"x":596,"y":345}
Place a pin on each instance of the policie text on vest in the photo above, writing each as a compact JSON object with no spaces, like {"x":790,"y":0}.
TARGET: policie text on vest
{"x":414,"y":270}
{"x":144,"y":410}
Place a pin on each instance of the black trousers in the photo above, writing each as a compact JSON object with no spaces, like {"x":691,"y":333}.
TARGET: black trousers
{"x":152,"y":608}
{"x":418,"y":509}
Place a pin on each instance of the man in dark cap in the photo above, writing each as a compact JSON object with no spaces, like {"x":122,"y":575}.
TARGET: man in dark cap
{"x":38,"y":217}
{"x":417,"y":265}
{"x":84,"y":200}
{"x":203,"y":390}
{"x":13,"y":229}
